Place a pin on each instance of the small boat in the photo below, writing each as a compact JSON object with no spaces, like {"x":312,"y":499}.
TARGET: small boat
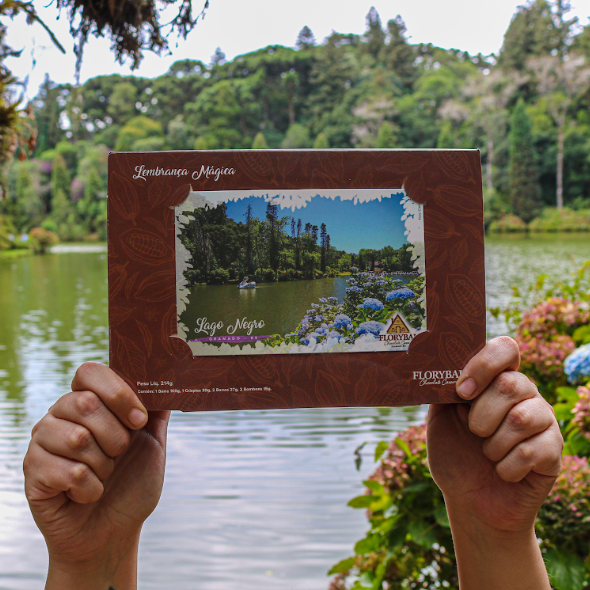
{"x":247,"y":285}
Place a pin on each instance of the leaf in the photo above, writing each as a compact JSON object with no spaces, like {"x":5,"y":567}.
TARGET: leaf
{"x":582,"y":335}
{"x":404,"y":447}
{"x":563,"y":411}
{"x":441,"y":516}
{"x":421,"y":533}
{"x":567,"y":394}
{"x":374,"y":486}
{"x":380,"y":449}
{"x":566,"y":570}
{"x":342,"y":566}
{"x":363,"y":501}
{"x":415,"y":488}
{"x":368,"y":544}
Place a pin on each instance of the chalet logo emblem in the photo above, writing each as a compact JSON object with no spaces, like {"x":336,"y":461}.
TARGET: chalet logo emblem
{"x":398,"y":326}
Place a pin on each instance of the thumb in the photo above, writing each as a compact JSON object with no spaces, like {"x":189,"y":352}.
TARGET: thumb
{"x":157,"y":426}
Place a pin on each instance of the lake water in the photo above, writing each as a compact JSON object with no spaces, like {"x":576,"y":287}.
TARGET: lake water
{"x":253,"y":500}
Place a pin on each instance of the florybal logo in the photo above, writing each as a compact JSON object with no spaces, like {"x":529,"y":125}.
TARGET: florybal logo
{"x":436,"y":377}
{"x":398,"y":332}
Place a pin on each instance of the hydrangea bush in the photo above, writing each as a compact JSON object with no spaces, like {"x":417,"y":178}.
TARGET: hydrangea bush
{"x":409,"y":544}
{"x":371,"y":299}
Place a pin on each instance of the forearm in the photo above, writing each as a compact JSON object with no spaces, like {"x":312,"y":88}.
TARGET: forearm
{"x":492,"y":560}
{"x":116,"y":570}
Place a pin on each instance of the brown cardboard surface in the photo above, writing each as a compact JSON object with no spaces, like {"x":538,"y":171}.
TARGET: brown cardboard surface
{"x":142,"y":280}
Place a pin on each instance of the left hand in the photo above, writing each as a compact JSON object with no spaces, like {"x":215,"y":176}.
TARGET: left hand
{"x":496,"y":458}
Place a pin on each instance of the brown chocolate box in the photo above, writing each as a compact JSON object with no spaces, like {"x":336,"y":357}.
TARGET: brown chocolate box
{"x":149,"y":343}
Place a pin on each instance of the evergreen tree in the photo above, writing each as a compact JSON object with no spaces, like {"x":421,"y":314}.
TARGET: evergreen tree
{"x":386,"y":136}
{"x":272,"y":217}
{"x":323,"y":245}
{"x":321,"y":142}
{"x":60,"y":177}
{"x":259,"y":142}
{"x":305,"y":39}
{"x":522,"y":171}
{"x":297,"y":137}
{"x":218,"y":58}
{"x":28,"y":206}
{"x":446,"y":137}
{"x":398,"y":55}
{"x":91,"y":206}
{"x":249,"y":257}
{"x":374,"y":35}
{"x":531,"y":33}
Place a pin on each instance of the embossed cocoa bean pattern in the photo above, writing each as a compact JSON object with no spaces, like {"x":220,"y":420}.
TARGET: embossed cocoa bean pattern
{"x":142,"y":286}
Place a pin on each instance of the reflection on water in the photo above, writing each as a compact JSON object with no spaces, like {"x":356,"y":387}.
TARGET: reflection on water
{"x":251,"y":499}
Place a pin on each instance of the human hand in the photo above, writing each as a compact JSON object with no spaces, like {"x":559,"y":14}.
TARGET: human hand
{"x":93,"y":473}
{"x":495,"y":460}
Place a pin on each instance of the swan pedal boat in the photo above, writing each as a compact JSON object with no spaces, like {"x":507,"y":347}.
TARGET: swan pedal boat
{"x":247,"y":285}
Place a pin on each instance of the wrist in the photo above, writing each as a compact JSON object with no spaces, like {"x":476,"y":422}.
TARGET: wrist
{"x":507,"y":558}
{"x":113,"y":567}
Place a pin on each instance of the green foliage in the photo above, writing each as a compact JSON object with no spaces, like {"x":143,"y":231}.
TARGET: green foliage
{"x":7,"y":233}
{"x":523,"y":185}
{"x":259,"y":142}
{"x":140,"y":133}
{"x":297,"y":137}
{"x":508,"y":223}
{"x":40,"y":239}
{"x":565,"y":219}
{"x":386,"y":136}
{"x":321,"y":142}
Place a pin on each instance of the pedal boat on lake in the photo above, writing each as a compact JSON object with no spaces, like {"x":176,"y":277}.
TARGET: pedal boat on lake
{"x":246,"y":284}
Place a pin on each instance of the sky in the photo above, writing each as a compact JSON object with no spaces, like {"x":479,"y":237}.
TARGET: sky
{"x":372,"y":225}
{"x":240,"y":26}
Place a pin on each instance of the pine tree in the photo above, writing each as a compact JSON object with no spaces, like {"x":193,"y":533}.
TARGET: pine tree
{"x":398,"y":55}
{"x":218,"y":58}
{"x":321,"y":142}
{"x":522,"y":171}
{"x":259,"y":142}
{"x":446,"y":138}
{"x":323,"y":245}
{"x":386,"y":136}
{"x":374,"y":35}
{"x":93,"y":201}
{"x":305,"y":39}
{"x":60,"y":177}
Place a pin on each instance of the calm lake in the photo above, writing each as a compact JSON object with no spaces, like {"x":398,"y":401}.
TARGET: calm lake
{"x":282,"y":305}
{"x":252,"y":500}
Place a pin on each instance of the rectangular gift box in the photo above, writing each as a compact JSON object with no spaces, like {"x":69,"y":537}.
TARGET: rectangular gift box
{"x":310,"y":278}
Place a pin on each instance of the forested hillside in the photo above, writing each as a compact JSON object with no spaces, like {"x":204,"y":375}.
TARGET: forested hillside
{"x":526,"y":109}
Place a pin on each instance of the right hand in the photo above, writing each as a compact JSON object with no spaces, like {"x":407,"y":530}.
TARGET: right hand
{"x":94,"y":468}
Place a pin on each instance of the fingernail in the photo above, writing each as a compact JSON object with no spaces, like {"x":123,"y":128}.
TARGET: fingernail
{"x":467,"y":388}
{"x":137,"y":417}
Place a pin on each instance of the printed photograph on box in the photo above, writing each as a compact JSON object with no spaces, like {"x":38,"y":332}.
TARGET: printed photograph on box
{"x":299,"y":271}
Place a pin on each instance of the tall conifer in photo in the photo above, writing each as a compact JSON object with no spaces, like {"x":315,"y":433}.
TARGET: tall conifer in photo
{"x":522,"y":172}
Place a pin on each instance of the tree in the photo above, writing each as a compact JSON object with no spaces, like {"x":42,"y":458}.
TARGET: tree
{"x":398,"y":55}
{"x":323,"y":246}
{"x":305,"y":39}
{"x":386,"y":136}
{"x":321,"y":142}
{"x":530,"y":33}
{"x":561,"y":82}
{"x":522,"y":172}
{"x":60,"y":177}
{"x":136,"y":131}
{"x":259,"y":142}
{"x":218,"y":58}
{"x":297,"y":137}
{"x":374,"y":35}
{"x":91,"y":206}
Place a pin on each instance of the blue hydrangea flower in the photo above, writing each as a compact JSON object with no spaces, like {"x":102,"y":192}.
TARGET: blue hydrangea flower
{"x":370,"y":303}
{"x":354,"y":289}
{"x":315,"y":304}
{"x":403,"y":293}
{"x":577,"y":364}
{"x":323,"y":300}
{"x":353,"y":268}
{"x":334,"y":299}
{"x":319,"y":318}
{"x":381,"y":283}
{"x":349,"y":327}
{"x":334,"y":335}
{"x":370,"y":328}
{"x":341,"y":320}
